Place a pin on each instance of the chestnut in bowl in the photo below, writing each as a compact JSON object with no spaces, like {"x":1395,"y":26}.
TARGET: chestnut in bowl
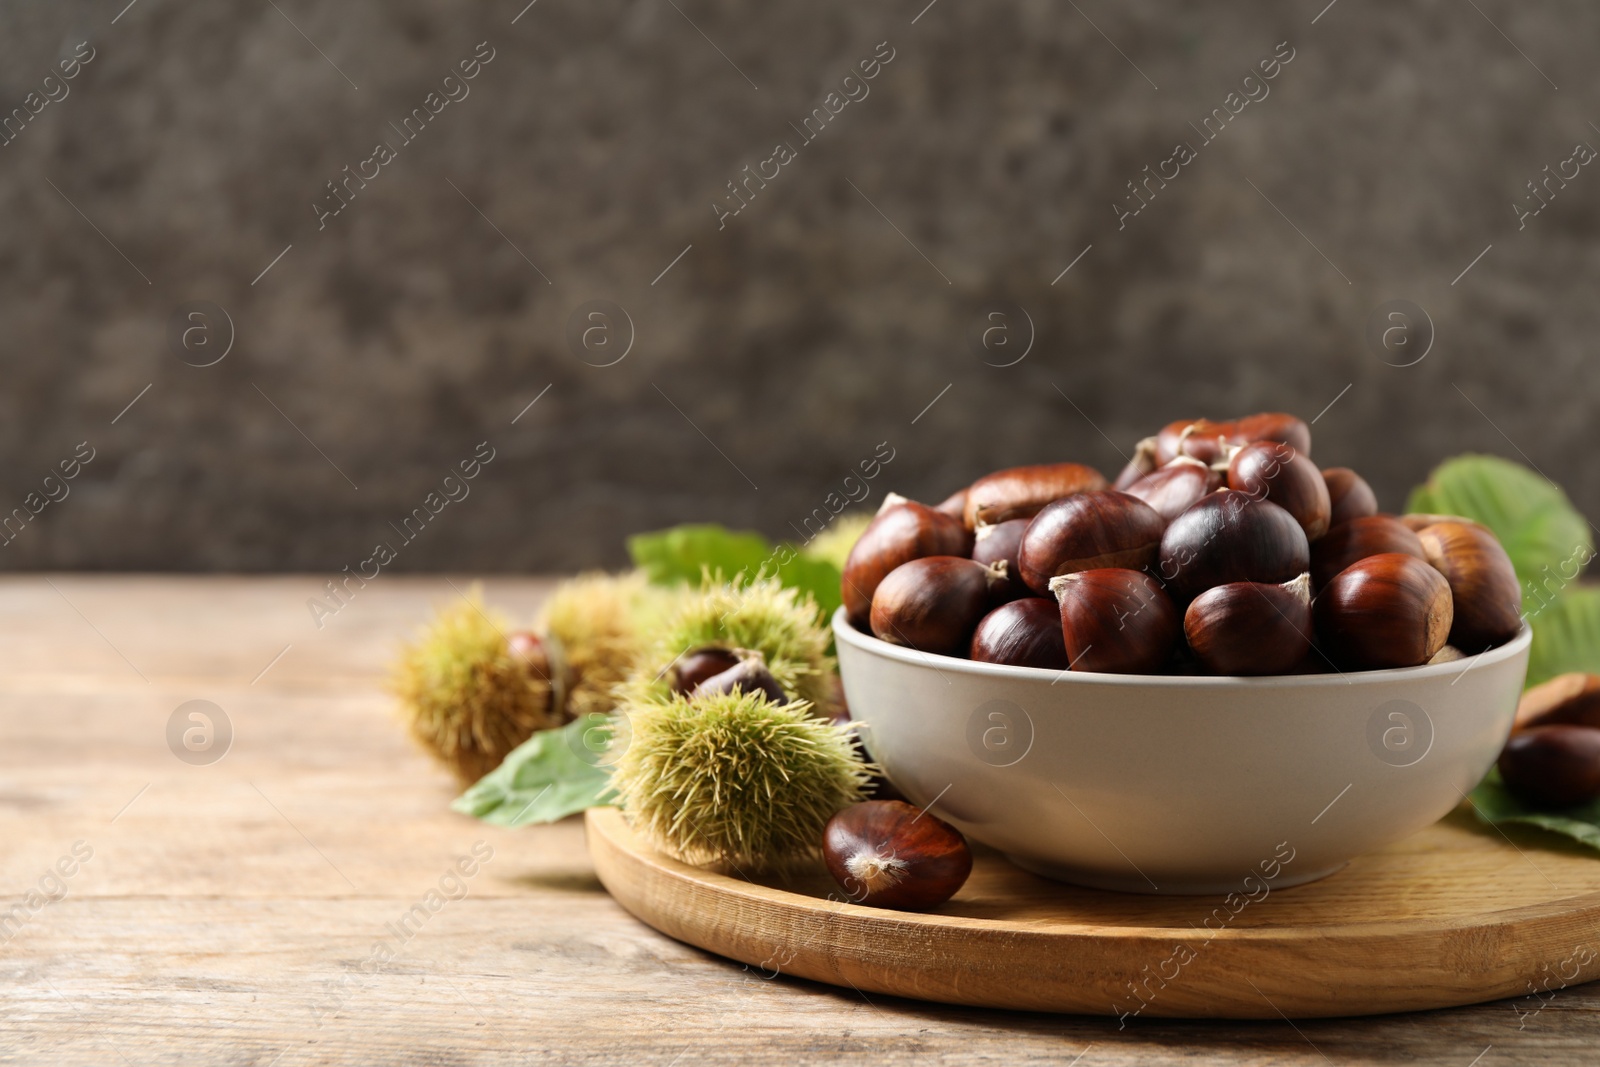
{"x":1349,"y":495}
{"x":1020,"y":492}
{"x":1388,"y":610}
{"x":933,"y":604}
{"x":1484,"y":585}
{"x":1094,"y":529}
{"x":1251,"y":627}
{"x":1001,"y":543}
{"x":1357,"y":539}
{"x":1230,"y":536}
{"x":1023,"y":633}
{"x":1115,"y":620}
{"x":1272,"y":470}
{"x":1175,"y":488}
{"x":903,"y":530}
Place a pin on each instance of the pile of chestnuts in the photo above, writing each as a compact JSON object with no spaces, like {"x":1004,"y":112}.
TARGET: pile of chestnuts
{"x":1220,"y":549}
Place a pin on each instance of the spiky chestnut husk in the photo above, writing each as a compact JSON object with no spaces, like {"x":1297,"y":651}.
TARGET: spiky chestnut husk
{"x":732,"y":778}
{"x":600,"y":626}
{"x":466,"y":698}
{"x":760,"y":616}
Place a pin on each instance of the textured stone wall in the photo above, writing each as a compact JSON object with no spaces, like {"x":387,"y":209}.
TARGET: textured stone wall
{"x":773,"y":349}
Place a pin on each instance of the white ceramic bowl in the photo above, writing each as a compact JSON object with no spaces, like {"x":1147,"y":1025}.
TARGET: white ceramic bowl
{"x":1180,"y":784}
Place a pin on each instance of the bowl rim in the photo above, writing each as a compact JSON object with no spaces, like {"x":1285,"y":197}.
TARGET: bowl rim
{"x":845,"y":634}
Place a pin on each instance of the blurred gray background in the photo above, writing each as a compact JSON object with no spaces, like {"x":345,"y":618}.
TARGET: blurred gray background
{"x":772,"y":355}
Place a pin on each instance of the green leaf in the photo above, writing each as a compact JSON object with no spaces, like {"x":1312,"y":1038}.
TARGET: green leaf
{"x":553,"y":774}
{"x":1531,"y":516}
{"x":1495,"y":804}
{"x":680,"y":554}
{"x":1566,"y":635}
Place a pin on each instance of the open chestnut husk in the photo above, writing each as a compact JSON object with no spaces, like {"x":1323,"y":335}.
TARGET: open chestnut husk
{"x":889,"y":854}
{"x":903,"y":530}
{"x":1115,"y":621}
{"x":1369,"y":535}
{"x":1388,"y":610}
{"x":692,"y":668}
{"x":1484,"y":585}
{"x":1251,"y":627}
{"x":1023,"y":633}
{"x":1175,"y":488}
{"x":1554,"y":766}
{"x":934,"y":604}
{"x":1000,"y":543}
{"x":1020,"y":492}
{"x":1272,"y":470}
{"x":1102,"y":528}
{"x":1349,"y":495}
{"x":1230,"y":536}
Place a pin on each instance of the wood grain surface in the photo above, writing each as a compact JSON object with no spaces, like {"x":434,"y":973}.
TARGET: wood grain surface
{"x":273,"y":907}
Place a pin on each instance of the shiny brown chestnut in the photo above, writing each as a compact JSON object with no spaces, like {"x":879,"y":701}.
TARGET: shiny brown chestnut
{"x":1175,"y":488}
{"x":889,"y":854}
{"x":1388,"y":610}
{"x":1210,"y":441}
{"x":749,"y":675}
{"x":1273,"y":426}
{"x":1572,"y":698}
{"x":999,"y":544}
{"x":1274,"y":471}
{"x":1021,"y":492}
{"x":1115,"y":621}
{"x":1359,"y":538}
{"x":933,"y":604}
{"x":1349,"y":495}
{"x":1100,"y":528}
{"x":1553,"y":766}
{"x":1251,"y":627}
{"x":954,"y":505}
{"x":903,"y":530}
{"x":1483,"y":584}
{"x":1142,"y":463}
{"x":1229,"y":536}
{"x":1023,"y":633}
{"x":692,"y":668}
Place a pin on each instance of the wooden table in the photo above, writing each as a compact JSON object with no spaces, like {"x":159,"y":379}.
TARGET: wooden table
{"x":231,"y":912}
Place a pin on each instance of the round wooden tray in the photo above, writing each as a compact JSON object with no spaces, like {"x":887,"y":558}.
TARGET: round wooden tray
{"x":1456,"y":914}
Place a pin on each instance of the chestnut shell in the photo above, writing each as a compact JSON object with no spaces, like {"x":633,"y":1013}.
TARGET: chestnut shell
{"x":903,"y":530}
{"x":1102,"y":528}
{"x":1175,"y":488}
{"x":999,"y":544}
{"x":1230,"y":537}
{"x":1023,"y":633}
{"x":1116,"y":621}
{"x":1388,"y":610}
{"x":692,"y":668}
{"x":1349,"y":495}
{"x":889,"y":854}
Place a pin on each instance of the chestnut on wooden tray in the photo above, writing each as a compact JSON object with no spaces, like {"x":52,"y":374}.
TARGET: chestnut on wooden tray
{"x":1556,"y":766}
{"x":889,"y":854}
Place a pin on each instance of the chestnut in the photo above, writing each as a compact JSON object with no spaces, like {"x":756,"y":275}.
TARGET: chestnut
{"x":1416,"y":522}
{"x":1199,"y":439}
{"x":1358,"y":539}
{"x":749,"y":675}
{"x":1020,"y":492}
{"x":933,"y":604}
{"x":902,"y":531}
{"x":1115,"y":621}
{"x":1484,"y":585}
{"x":1554,"y":766}
{"x":1173,"y":489}
{"x":1567,"y":698}
{"x":889,"y":854}
{"x":999,"y":543}
{"x":1100,"y":528}
{"x":1388,"y":610}
{"x":1230,"y":536}
{"x":1023,"y":633}
{"x":1142,"y":463}
{"x":692,"y":668}
{"x":1274,"y":471}
{"x":1273,"y":426}
{"x":1251,"y":627}
{"x":1349,"y":495}
{"x":954,"y":505}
